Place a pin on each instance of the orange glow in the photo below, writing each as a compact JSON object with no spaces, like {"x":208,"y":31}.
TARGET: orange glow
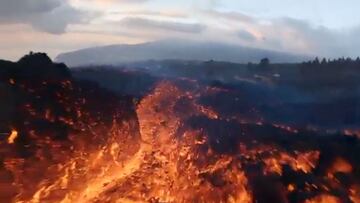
{"x":304,"y":162}
{"x":340,"y":165}
{"x":291,"y":187}
{"x":158,"y":157}
{"x":324,"y":199}
{"x":355,"y":193}
{"x":160,"y":168}
{"x":11,"y":81}
{"x":12,"y":137}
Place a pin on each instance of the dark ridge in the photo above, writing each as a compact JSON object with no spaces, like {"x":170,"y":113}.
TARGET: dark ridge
{"x":35,"y":59}
{"x":35,"y":66}
{"x":41,"y":96}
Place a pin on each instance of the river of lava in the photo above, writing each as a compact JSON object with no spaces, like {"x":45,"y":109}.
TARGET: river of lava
{"x":169,"y":162}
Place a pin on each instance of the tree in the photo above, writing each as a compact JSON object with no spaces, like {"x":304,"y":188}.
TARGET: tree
{"x":264,"y":62}
{"x":316,"y":61}
{"x":324,"y":61}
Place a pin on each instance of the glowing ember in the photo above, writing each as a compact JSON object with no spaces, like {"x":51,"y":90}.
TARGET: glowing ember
{"x":11,"y":81}
{"x":291,"y":187}
{"x":324,"y":199}
{"x":12,"y":137}
{"x":355,"y":193}
{"x":340,"y":165}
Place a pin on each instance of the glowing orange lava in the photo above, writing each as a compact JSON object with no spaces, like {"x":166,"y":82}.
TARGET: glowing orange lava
{"x":158,"y":157}
{"x":13,"y":135}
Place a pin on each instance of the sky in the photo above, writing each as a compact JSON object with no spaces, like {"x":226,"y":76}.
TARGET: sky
{"x":325,"y":28}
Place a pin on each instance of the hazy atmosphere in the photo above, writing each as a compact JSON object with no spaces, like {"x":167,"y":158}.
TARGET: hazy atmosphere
{"x":328,"y":28}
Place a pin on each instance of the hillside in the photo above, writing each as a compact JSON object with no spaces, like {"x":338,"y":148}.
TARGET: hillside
{"x":172,"y":49}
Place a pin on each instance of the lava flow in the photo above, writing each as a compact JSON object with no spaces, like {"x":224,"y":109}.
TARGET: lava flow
{"x":173,"y":149}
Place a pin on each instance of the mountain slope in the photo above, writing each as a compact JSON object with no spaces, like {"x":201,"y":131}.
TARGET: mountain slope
{"x":172,"y":49}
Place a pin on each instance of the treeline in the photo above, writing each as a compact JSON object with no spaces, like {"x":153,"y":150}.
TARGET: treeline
{"x":340,"y":62}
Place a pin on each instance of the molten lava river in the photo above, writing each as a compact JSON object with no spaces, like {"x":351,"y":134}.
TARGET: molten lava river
{"x":176,"y":149}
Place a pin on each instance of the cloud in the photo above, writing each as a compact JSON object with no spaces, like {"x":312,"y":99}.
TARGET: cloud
{"x":246,"y":36}
{"x":232,"y":16}
{"x":101,"y":4}
{"x":118,"y":1}
{"x":51,"y":16}
{"x":288,"y":34}
{"x":148,"y":24}
{"x":18,"y":39}
{"x":301,"y":36}
{"x":128,"y":21}
{"x":153,"y":13}
{"x":12,"y":9}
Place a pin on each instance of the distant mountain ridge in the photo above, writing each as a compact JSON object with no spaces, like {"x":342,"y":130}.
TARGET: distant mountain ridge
{"x":173,"y":49}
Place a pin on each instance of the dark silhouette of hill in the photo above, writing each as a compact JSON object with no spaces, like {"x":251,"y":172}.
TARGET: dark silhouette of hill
{"x":34,"y":85}
{"x":35,"y":66}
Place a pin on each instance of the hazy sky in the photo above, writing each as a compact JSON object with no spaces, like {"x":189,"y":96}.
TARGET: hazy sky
{"x":328,"y":28}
